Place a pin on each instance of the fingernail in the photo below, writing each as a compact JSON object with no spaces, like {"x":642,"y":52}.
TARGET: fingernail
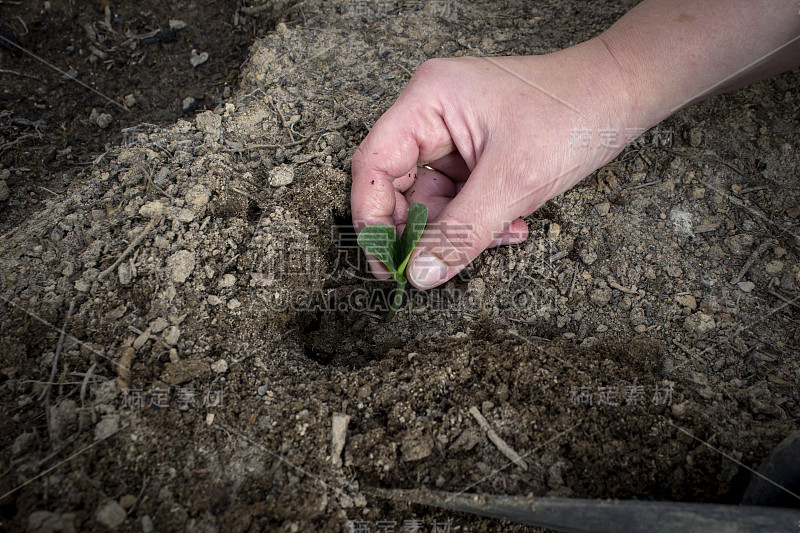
{"x":427,"y":271}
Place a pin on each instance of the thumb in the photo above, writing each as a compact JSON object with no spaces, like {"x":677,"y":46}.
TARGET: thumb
{"x":481,"y":215}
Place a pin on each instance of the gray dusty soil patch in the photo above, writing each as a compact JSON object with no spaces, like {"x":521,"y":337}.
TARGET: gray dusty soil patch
{"x":222,"y":316}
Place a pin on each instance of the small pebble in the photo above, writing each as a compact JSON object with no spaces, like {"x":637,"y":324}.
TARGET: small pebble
{"x":181,"y":265}
{"x":102,"y":120}
{"x":681,"y":221}
{"x":674,"y":271}
{"x":637,"y":316}
{"x":159,"y":325}
{"x":588,"y":256}
{"x":111,"y":514}
{"x":554,"y":231}
{"x":22,"y":444}
{"x":746,"y":286}
{"x":590,"y":342}
{"x":600,"y":297}
{"x":152,"y":209}
{"x":106,"y":427}
{"x":208,"y":122}
{"x":280,"y":176}
{"x":176,"y":24}
{"x":127,"y":501}
{"x":227,"y":281}
{"x":686,"y":300}
{"x":220,"y":366}
{"x":198,"y":196}
{"x":738,"y":244}
{"x":198,"y":59}
{"x":171,"y":335}
{"x":189,"y":104}
{"x":679,"y":409}
{"x":699,"y":323}
{"x":695,"y":137}
{"x":141,"y":339}
{"x":416,"y":447}
{"x":125,"y":273}
{"x":774,"y":267}
{"x":161,"y":177}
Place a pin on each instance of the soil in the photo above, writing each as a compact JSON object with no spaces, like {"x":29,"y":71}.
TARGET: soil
{"x":217,"y":315}
{"x":118,"y":50}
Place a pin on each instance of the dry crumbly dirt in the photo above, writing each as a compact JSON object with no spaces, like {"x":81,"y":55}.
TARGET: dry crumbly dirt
{"x":48,"y":133}
{"x":648,"y":324}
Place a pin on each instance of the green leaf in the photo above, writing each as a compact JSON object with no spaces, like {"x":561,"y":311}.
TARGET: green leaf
{"x":415,"y":225}
{"x":383,"y":243}
{"x":380,"y":241}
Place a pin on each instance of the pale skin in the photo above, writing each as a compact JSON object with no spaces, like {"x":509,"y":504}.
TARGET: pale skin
{"x":499,"y":132}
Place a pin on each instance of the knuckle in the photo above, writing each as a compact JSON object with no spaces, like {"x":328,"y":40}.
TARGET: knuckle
{"x":357,"y":162}
{"x":430,"y":67}
{"x":432,"y":74}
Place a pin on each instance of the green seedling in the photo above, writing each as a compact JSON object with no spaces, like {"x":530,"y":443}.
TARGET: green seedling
{"x":393,"y":251}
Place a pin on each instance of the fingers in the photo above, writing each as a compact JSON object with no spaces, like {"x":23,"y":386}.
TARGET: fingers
{"x":515,"y":233}
{"x":453,"y":166}
{"x":386,"y":160}
{"x":433,"y":189}
{"x":399,"y":215}
{"x":385,"y":164}
{"x":480,"y":216}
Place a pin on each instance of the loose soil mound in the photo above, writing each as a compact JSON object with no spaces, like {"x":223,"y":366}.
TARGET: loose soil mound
{"x":641,"y":344}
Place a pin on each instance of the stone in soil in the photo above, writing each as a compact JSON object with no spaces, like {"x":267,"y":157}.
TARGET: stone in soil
{"x":181,"y":265}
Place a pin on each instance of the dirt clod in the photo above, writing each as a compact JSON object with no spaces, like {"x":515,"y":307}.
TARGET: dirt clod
{"x":224,"y":318}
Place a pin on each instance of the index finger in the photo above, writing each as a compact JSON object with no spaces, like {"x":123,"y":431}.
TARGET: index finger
{"x":410,"y":132}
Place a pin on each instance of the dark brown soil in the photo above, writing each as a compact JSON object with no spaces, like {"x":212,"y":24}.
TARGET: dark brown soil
{"x":643,"y":343}
{"x":46,"y":137}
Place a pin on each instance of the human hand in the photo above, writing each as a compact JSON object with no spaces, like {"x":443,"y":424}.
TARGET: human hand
{"x":498,"y":132}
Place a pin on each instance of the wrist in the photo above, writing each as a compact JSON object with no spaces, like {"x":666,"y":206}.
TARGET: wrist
{"x":630,"y":95}
{"x":605,"y":97}
{"x":673,"y":53}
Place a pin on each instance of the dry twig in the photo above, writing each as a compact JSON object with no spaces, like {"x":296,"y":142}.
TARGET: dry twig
{"x":752,"y":259}
{"x":15,"y":73}
{"x":497,"y":440}
{"x":59,"y":347}
{"x":152,"y":224}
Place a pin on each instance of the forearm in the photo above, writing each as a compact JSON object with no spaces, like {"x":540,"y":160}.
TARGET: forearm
{"x":672,"y":53}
